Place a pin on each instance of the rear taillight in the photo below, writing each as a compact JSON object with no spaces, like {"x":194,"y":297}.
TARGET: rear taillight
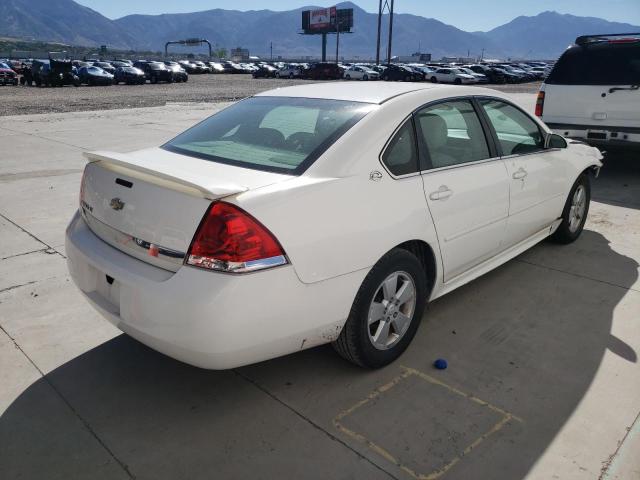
{"x":540,"y":104}
{"x":230,"y":240}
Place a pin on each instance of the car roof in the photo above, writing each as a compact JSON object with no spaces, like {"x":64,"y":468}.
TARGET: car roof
{"x":374,"y":92}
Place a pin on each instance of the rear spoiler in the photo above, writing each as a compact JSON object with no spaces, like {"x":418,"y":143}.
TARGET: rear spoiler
{"x":192,"y":185}
{"x":604,"y":37}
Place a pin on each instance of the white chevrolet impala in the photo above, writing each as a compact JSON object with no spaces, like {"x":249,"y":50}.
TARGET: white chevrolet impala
{"x":319,"y":213}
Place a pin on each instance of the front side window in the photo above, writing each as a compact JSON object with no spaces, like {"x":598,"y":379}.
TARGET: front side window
{"x":452,"y":134}
{"x":517,"y":133}
{"x":401,"y":156}
{"x":276,"y":134}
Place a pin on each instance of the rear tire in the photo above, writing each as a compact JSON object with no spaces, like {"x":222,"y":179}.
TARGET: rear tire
{"x":457,"y":81}
{"x":574,"y":214}
{"x":434,"y":80}
{"x":386,"y":311}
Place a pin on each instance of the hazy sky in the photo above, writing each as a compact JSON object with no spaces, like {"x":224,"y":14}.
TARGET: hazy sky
{"x":464,"y":14}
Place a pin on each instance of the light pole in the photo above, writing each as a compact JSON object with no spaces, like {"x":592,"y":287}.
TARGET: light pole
{"x":337,"y":39}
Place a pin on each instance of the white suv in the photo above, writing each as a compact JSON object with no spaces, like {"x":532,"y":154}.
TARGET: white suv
{"x":593,"y":91}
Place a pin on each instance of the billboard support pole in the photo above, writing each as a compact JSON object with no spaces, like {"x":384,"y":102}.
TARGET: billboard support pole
{"x":324,"y":47}
{"x":390,"y":32}
{"x":337,"y":41}
{"x":379,"y":32}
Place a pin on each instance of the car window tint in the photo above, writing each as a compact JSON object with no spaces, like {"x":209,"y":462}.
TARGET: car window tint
{"x":517,"y":132}
{"x":400,"y":156}
{"x":452,"y":134}
{"x":598,"y":64}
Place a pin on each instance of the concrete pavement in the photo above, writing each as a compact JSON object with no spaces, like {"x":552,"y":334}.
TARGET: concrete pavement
{"x":543,"y":354}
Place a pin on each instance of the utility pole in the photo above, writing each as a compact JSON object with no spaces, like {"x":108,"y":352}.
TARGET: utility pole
{"x":390,"y":32}
{"x":337,"y":39}
{"x":271,"y":49}
{"x":379,"y":32}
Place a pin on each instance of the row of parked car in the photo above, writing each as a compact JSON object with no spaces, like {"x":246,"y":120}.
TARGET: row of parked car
{"x":413,"y":72}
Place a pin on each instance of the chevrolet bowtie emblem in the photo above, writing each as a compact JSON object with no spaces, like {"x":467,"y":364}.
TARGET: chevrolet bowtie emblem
{"x":116,"y":204}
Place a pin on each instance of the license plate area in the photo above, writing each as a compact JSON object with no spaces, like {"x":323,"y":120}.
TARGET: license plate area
{"x":597,"y":135}
{"x":109,"y":289}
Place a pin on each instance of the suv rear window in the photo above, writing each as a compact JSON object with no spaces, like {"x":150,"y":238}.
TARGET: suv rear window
{"x":278,"y":134}
{"x":600,"y":63}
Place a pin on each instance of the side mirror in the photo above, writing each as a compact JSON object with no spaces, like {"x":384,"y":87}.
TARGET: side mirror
{"x":556,"y":141}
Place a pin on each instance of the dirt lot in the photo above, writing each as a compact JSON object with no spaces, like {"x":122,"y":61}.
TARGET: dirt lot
{"x":200,"y":88}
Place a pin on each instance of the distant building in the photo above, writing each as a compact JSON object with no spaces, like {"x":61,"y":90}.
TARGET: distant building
{"x":413,"y":58}
{"x":239,"y":54}
{"x":458,"y":60}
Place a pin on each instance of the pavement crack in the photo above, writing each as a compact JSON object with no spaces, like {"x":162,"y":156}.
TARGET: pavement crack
{"x":86,"y":424}
{"x":2,"y":290}
{"x":24,"y":230}
{"x":577,"y":275}
{"x":313,"y":424}
{"x":46,"y":250}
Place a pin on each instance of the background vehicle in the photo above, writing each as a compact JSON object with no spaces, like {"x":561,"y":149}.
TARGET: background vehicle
{"x":55,"y":73}
{"x":480,"y":77}
{"x":265,"y":71}
{"x":358,"y":72}
{"x":323,"y":71}
{"x":7,"y":75}
{"x":129,"y":75}
{"x":217,"y":67}
{"x":179,"y":73}
{"x":451,"y":75}
{"x":106,"y":66}
{"x":290,"y":71}
{"x":394,"y":72}
{"x":94,"y":76}
{"x":155,"y":71}
{"x":593,"y":91}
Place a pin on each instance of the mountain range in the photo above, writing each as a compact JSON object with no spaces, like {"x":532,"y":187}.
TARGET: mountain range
{"x":542,"y":36}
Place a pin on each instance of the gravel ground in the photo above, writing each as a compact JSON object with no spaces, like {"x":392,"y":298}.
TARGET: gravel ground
{"x":21,"y":100}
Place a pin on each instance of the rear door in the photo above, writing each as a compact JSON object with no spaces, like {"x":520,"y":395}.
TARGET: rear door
{"x":536,"y":175}
{"x":595,"y":84}
{"x":466,"y":185}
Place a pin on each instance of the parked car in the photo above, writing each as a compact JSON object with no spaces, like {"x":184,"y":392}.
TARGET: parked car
{"x":106,"y":66}
{"x":155,"y":71}
{"x":129,"y":75}
{"x":394,"y":72}
{"x":94,"y":76}
{"x":323,"y":71}
{"x":290,"y":71}
{"x":179,"y":73}
{"x":217,"y":67}
{"x":54,"y":73}
{"x":452,"y":75}
{"x":593,"y":91}
{"x":265,"y":71}
{"x":357,"y":72}
{"x":211,"y":263}
{"x":7,"y":75}
{"x":494,"y":76}
{"x":204,"y":68}
{"x":480,"y":77}
{"x":508,"y":76}
{"x":189,"y":67}
{"x":234,"y":68}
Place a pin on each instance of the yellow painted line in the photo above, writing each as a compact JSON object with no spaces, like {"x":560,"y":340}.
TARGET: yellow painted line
{"x":407,"y":372}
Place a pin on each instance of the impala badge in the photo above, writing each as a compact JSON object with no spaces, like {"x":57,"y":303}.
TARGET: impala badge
{"x":116,"y":204}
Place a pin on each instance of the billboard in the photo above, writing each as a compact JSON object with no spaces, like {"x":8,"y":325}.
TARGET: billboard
{"x":324,"y":20}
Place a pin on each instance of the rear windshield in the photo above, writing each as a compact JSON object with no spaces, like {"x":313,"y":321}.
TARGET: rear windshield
{"x":598,"y":64}
{"x":278,"y":134}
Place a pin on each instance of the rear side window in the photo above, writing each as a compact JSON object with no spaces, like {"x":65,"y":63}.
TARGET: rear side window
{"x":276,"y":134}
{"x":401,"y":156}
{"x":452,"y":134}
{"x":598,"y":64}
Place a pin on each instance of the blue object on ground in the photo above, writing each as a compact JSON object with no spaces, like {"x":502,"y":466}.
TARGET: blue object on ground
{"x":440,"y":364}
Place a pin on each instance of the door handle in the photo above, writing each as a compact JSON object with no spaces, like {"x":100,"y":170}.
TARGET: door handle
{"x":441,"y":194}
{"x":520,"y":174}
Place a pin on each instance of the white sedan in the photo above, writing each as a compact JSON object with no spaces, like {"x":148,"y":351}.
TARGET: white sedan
{"x":451,"y":75}
{"x":319,"y":213}
{"x":358,"y":72}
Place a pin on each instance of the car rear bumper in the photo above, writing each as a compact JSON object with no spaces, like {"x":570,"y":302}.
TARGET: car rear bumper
{"x":208,"y":319}
{"x":600,"y":135}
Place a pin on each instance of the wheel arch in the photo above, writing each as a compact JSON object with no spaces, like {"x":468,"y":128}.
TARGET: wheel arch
{"x":426,"y":255}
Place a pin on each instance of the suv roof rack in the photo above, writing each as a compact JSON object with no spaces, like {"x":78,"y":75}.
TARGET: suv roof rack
{"x":603,"y":37}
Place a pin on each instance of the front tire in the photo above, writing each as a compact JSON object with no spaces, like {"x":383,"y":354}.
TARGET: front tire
{"x":386,"y":312}
{"x":574,"y":214}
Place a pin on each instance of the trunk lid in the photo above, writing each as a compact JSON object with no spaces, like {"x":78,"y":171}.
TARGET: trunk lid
{"x":149,"y":203}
